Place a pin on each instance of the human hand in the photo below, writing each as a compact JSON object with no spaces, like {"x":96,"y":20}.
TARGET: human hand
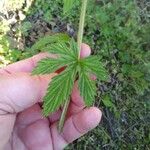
{"x":22,"y":126}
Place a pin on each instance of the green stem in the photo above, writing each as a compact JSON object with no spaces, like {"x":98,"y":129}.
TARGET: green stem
{"x":63,"y":116}
{"x":81,"y":24}
{"x":79,"y":42}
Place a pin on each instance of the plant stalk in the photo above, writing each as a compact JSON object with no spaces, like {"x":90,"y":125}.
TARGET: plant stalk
{"x":79,"y":42}
{"x":81,"y":24}
{"x":63,"y":116}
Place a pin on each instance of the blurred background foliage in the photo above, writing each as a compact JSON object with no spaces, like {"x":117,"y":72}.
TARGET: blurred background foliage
{"x":118,"y":31}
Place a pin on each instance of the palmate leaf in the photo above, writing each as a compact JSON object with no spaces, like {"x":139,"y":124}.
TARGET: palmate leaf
{"x":60,"y":87}
{"x":59,"y":90}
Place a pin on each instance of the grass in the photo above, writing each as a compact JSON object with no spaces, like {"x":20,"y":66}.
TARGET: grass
{"x":118,"y":32}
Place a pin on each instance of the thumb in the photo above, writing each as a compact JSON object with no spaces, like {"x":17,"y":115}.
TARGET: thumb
{"x":20,"y":91}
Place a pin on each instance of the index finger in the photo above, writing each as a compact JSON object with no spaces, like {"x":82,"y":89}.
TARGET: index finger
{"x":27,"y":65}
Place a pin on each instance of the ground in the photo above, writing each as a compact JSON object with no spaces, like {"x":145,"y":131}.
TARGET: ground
{"x":119,"y":33}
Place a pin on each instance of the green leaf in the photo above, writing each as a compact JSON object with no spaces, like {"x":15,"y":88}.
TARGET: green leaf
{"x":136,"y":74}
{"x":25,"y":27}
{"x":50,"y":65}
{"x":94,"y":66}
{"x":66,"y":56}
{"x":59,"y":90}
{"x":107,"y":101}
{"x":87,"y":88}
{"x":60,"y":87}
{"x":61,"y":49}
{"x":68,"y":4}
{"x":49,"y":39}
{"x":47,"y":16}
{"x":74,"y":47}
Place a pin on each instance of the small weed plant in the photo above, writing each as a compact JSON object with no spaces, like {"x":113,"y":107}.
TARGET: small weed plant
{"x":76,"y":68}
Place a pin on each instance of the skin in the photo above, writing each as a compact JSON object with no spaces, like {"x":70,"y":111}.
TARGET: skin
{"x":22,"y":127}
